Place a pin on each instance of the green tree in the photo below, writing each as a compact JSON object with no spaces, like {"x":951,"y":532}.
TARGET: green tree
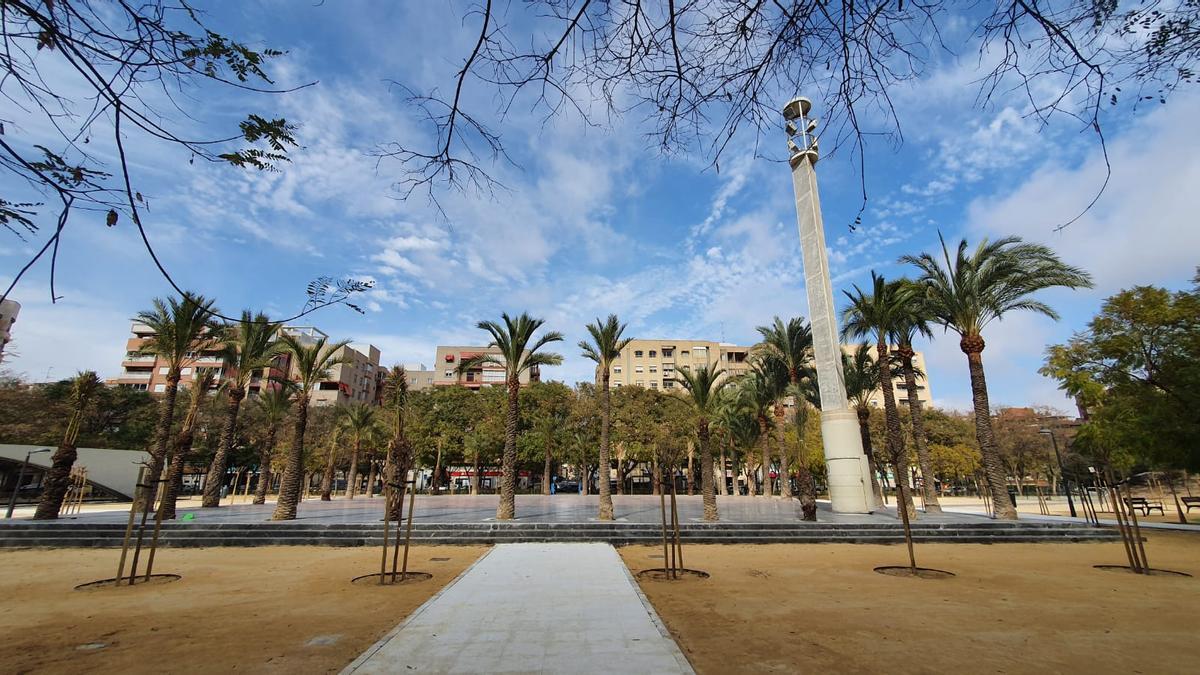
{"x":605,"y":347}
{"x":181,"y":328}
{"x":790,"y":345}
{"x":703,"y":387}
{"x":912,"y":320}
{"x":519,"y":354}
{"x":877,"y":316}
{"x":272,"y":408}
{"x":197,"y":397}
{"x":545,"y":407}
{"x":58,"y":477}
{"x":311,"y":362}
{"x":966,"y":293}
{"x":356,"y":420}
{"x":1136,"y":371}
{"x":247,"y":347}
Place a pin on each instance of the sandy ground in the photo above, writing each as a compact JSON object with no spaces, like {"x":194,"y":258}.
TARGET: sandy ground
{"x":271,"y":609}
{"x":1012,"y":608}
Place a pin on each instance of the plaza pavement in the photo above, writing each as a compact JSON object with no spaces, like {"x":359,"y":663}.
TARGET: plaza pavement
{"x":532,"y":608}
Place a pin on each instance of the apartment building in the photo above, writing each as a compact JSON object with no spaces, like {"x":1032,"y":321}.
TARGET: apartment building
{"x":652,"y":364}
{"x":448,"y":358}
{"x":901,"y":392}
{"x":420,"y":377}
{"x":358,"y":379}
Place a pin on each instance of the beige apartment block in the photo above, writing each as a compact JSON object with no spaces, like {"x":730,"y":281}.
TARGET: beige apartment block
{"x":652,"y":364}
{"x":356,"y":380}
{"x":420,"y":378}
{"x":901,"y":392}
{"x":448,"y":358}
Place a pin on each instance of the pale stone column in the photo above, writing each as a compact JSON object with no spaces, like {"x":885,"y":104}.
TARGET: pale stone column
{"x":849,"y":473}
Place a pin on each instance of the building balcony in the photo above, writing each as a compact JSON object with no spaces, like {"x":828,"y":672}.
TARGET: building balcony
{"x":127,"y":375}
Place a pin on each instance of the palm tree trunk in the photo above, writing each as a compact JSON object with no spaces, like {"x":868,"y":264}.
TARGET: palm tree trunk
{"x":293,"y":468}
{"x":622,"y":469}
{"x":606,"y":504}
{"x":691,"y":482}
{"x":928,"y":486}
{"x":216,"y":471}
{"x":722,"y":485}
{"x":656,"y":477}
{"x":437,"y":469}
{"x":174,"y":484}
{"x":804,"y":479}
{"x":546,"y":471}
{"x":707,"y":484}
{"x":864,"y":432}
{"x":764,"y":440}
{"x":372,"y":475}
{"x":785,"y":458}
{"x":162,"y":440}
{"x":899,"y":455}
{"x":507,"y":508}
{"x":327,"y":475}
{"x":56,"y":481}
{"x":476,"y":481}
{"x":352,"y":484}
{"x":992,"y":464}
{"x":264,"y":467}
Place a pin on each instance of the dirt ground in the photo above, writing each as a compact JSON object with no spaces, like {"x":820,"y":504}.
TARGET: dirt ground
{"x":270,"y":609}
{"x":1011,"y":608}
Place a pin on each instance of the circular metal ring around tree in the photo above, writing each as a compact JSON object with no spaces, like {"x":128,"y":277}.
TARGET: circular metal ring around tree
{"x":139,"y":580}
{"x":664,"y":574}
{"x":1152,"y":571}
{"x":919,"y":573}
{"x":390,"y":579}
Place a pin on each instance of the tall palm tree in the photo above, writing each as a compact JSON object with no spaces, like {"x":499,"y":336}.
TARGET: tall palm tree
{"x":84,"y":388}
{"x":860,"y":371}
{"x":757,"y":393}
{"x":311,"y":363}
{"x":273,"y":406}
{"x":912,"y":321}
{"x":519,"y":354}
{"x":400,"y":451}
{"x":248,"y":346}
{"x":181,"y":328}
{"x":790,"y":346}
{"x":605,"y":347}
{"x":197,"y":395}
{"x":703,"y":387}
{"x":965,"y":293}
{"x":875,"y":316}
{"x":356,"y":420}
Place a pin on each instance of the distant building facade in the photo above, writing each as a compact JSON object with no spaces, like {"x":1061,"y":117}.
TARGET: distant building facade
{"x":901,"y":391}
{"x":420,"y":378}
{"x":448,"y":358}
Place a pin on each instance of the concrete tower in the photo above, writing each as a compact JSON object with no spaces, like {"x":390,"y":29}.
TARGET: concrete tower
{"x":849,"y":473}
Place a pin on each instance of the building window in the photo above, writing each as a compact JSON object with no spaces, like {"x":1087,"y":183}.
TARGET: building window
{"x":185,"y":371}
{"x":653,"y":369}
{"x":653,"y":385}
{"x":668,"y":384}
{"x":653,"y":353}
{"x":668,"y":352}
{"x":683,"y":353}
{"x":640,"y":383}
{"x":616,"y":369}
{"x":160,"y":388}
{"x":699,"y":351}
{"x":639,"y":369}
{"x":162,"y":371}
{"x":449,"y":374}
{"x":617,"y":384}
{"x":637,"y":353}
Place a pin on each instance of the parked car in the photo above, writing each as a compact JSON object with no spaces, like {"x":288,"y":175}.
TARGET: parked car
{"x":570,"y":487}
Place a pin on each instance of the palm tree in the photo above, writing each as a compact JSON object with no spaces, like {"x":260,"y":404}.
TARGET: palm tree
{"x":703,"y":387}
{"x":519,"y":354}
{"x":605,"y":347}
{"x":198,"y":394}
{"x":790,"y":347}
{"x":181,"y":328}
{"x":273,"y":406}
{"x":912,"y":321}
{"x":967,"y":293}
{"x":356,"y":420}
{"x":757,"y":393}
{"x":860,"y":371}
{"x":247,"y":347}
{"x":311,"y":363}
{"x":84,"y":388}
{"x":400,"y":451}
{"x":875,"y":315}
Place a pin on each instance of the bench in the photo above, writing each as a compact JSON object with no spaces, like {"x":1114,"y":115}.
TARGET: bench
{"x":1145,"y":505}
{"x":1191,"y":503}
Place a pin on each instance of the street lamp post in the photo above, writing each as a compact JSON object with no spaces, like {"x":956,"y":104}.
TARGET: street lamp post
{"x":1062,"y":473}
{"x":848,"y":471}
{"x":12,"y":500}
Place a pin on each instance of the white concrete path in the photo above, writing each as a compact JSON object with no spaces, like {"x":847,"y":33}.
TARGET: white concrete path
{"x":532,"y":608}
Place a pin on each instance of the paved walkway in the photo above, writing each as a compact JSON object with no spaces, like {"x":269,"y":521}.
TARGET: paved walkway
{"x":532,"y":608}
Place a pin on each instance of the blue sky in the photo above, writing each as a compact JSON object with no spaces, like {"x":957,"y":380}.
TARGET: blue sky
{"x":592,"y":221}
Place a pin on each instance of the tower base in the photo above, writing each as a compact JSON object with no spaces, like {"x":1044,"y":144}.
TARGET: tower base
{"x":849,"y":473}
